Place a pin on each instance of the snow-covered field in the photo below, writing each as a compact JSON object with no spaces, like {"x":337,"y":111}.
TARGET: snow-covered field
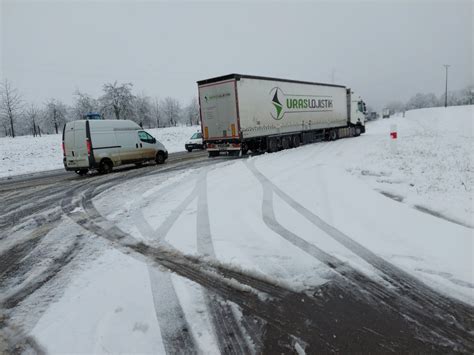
{"x":431,"y":165}
{"x":28,"y":154}
{"x":274,"y":216}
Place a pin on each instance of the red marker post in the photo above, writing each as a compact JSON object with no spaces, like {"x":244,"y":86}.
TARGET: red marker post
{"x":393,"y":138}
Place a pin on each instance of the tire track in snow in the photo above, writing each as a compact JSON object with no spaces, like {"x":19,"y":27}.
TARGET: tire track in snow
{"x":228,"y":338}
{"x":309,"y":318}
{"x":328,"y":321}
{"x":229,"y":334}
{"x":412,"y":293}
{"x":174,"y":328}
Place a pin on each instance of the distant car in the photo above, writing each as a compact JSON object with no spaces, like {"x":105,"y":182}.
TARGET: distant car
{"x":195,"y":142}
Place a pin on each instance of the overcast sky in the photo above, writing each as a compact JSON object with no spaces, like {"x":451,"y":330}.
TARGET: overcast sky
{"x":385,"y":50}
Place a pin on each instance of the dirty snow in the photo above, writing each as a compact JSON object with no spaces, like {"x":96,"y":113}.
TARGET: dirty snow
{"x":28,"y":154}
{"x":238,"y":213}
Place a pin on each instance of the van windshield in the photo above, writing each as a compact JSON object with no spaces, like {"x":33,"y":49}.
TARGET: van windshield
{"x":196,"y":135}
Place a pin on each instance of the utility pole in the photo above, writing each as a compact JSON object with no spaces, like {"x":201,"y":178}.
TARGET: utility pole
{"x":446,"y":89}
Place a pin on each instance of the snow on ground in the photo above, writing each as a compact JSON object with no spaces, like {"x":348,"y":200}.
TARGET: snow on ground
{"x":28,"y":154}
{"x":432,"y":166}
{"x":252,"y":214}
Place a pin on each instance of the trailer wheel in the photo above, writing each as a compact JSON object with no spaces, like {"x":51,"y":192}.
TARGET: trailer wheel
{"x":285,"y":142}
{"x":213,"y":154}
{"x":333,"y":135}
{"x":295,"y":141}
{"x":272,"y":145}
{"x":105,"y":166}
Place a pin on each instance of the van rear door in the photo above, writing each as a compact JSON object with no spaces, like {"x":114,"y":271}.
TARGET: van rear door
{"x":219,"y":115}
{"x":75,"y":148}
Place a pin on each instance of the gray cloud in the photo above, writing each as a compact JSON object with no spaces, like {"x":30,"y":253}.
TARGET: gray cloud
{"x":384,"y":50}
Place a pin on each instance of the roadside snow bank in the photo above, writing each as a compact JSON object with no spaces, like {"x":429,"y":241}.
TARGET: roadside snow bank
{"x":432,"y":167}
{"x":28,"y":154}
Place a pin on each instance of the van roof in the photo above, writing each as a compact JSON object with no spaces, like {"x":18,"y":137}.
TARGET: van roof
{"x":108,"y":124}
{"x":115,"y":124}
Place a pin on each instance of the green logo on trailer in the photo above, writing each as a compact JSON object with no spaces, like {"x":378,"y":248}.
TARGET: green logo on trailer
{"x":296,"y":103}
{"x":277,"y":104}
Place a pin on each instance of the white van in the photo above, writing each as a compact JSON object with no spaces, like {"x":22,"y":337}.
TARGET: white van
{"x":103,"y":144}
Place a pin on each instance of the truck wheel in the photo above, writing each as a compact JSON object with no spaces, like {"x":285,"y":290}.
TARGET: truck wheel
{"x":189,"y":150}
{"x":105,"y":167}
{"x":272,"y":145}
{"x":160,"y":158}
{"x":285,"y":142}
{"x":295,"y":140}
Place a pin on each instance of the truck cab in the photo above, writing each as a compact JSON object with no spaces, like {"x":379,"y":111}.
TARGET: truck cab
{"x":358,"y":111}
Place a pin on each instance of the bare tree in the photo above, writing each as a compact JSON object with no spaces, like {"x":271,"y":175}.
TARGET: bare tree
{"x":171,"y":109}
{"x":55,"y":114}
{"x":156,"y":113}
{"x":142,"y":109}
{"x":118,"y":99}
{"x":11,"y":104}
{"x":83,"y":104}
{"x":32,"y":115}
{"x":422,"y":100}
{"x":192,"y":112}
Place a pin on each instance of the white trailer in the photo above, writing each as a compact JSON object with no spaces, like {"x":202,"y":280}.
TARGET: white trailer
{"x":243,"y":112}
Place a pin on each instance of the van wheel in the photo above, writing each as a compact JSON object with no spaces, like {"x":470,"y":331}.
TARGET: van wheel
{"x":160,"y":158}
{"x":105,"y":167}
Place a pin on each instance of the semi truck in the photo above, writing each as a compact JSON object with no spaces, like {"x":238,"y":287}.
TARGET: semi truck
{"x":241,"y":113}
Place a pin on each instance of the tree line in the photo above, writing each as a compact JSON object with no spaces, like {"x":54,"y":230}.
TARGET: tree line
{"x":18,"y":117}
{"x":455,"y":98}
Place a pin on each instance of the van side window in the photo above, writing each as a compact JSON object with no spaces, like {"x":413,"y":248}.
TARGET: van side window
{"x":145,"y":137}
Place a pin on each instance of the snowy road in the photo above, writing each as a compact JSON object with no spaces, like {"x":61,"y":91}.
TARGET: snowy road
{"x":286,"y":252}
